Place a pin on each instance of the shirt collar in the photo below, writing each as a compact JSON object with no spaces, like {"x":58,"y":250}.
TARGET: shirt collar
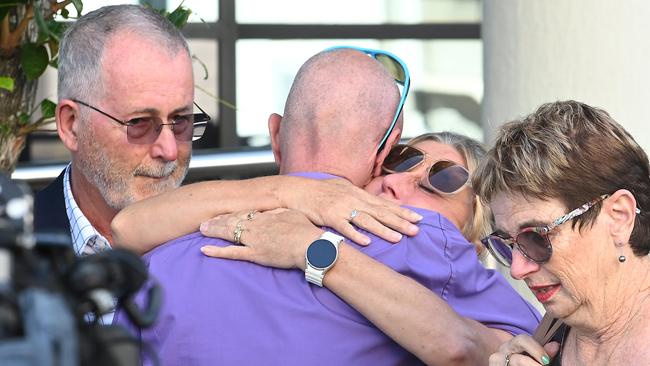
{"x":85,"y":239}
{"x":315,"y":175}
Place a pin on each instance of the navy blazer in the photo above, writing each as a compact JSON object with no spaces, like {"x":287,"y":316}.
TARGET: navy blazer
{"x":50,"y":216}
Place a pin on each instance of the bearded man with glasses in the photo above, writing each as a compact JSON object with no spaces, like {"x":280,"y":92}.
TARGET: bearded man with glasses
{"x":125,"y":112}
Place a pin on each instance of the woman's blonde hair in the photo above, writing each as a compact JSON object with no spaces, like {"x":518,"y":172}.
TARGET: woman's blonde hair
{"x":473,"y":152}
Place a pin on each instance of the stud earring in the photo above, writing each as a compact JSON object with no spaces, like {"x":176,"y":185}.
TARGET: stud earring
{"x":621,"y":258}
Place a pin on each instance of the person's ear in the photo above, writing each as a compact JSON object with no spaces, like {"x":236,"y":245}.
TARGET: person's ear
{"x":621,"y":209}
{"x":68,"y":120}
{"x":275,"y":121}
{"x":392,"y":139}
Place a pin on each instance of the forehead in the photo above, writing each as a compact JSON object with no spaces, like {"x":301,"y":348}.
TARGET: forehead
{"x":513,"y":211}
{"x":439,"y":151}
{"x":139,"y":65}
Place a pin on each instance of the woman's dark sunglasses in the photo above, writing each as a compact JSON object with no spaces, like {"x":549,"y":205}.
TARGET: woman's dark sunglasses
{"x":532,"y":242}
{"x":444,"y":176}
{"x":145,"y":130}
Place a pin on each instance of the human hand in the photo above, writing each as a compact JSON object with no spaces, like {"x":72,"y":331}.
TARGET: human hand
{"x":524,"y":350}
{"x":277,"y":238}
{"x":331,"y":203}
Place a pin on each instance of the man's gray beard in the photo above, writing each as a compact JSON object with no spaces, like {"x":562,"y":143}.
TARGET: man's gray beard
{"x":115,"y":185}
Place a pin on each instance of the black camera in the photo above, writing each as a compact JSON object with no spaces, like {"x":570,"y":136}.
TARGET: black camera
{"x":49,"y":296}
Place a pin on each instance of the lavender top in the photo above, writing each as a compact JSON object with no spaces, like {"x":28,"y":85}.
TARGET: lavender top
{"x":223,"y":312}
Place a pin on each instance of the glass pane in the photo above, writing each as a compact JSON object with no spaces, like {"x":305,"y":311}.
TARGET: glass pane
{"x":357,"y":11}
{"x":446,"y":82}
{"x":204,"y":54}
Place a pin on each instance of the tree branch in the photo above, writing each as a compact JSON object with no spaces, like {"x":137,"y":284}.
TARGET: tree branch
{"x":56,"y":6}
{"x":4,"y":35}
{"x":17,"y":34}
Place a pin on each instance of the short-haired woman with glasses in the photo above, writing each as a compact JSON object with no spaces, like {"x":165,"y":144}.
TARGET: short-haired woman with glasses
{"x":570,"y":190}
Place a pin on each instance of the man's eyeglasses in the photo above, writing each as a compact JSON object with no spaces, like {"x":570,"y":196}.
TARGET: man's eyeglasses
{"x":444,"y":176}
{"x":145,"y":130}
{"x":397,"y":69}
{"x":532,"y":242}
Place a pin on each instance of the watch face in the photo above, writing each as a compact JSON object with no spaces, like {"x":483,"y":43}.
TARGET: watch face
{"x":321,"y":253}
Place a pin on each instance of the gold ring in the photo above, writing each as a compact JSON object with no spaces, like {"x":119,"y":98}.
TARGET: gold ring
{"x":507,"y":359}
{"x":239,"y":228}
{"x":250,"y":215}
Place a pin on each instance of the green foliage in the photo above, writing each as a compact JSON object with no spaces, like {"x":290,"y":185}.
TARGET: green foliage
{"x":179,"y":16}
{"x":48,"y":109}
{"x":23,"y":118}
{"x":78,"y":5}
{"x":6,"y":83}
{"x":5,"y":129}
{"x":34,"y":60}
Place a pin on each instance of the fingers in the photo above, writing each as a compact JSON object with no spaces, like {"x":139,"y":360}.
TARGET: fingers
{"x":387,"y":221}
{"x":347,"y":230}
{"x":221,"y":227}
{"x":230,"y":252}
{"x":369,"y":223}
{"x":523,"y":350}
{"x":406,"y":214}
{"x":552,"y":348}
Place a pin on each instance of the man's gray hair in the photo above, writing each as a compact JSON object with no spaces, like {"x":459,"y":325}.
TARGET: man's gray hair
{"x":82,"y":46}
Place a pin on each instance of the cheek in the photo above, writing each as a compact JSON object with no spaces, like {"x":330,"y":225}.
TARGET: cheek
{"x":375,"y":186}
{"x":573,"y":268}
{"x":422,"y":199}
{"x":184,"y":152}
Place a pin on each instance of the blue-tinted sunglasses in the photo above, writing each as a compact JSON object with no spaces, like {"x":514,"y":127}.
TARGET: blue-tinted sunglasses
{"x":397,"y":69}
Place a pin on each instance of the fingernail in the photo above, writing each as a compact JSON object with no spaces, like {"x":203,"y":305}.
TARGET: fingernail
{"x":205,"y":249}
{"x":203,"y":227}
{"x":396,"y":237}
{"x":417,"y":217}
{"x":546,"y":360}
{"x":414,"y":229}
{"x":366,"y":240}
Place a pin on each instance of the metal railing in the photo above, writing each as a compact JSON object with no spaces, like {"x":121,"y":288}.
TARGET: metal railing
{"x":205,"y":164}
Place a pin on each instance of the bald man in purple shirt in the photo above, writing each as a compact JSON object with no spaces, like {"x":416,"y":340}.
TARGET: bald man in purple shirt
{"x":220,"y":312}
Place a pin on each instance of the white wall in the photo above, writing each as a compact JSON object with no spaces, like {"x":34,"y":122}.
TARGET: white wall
{"x":594,"y":51}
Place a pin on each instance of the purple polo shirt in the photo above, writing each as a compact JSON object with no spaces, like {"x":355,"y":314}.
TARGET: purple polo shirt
{"x":223,"y":312}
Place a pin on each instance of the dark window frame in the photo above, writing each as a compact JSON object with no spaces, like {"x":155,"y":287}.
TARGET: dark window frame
{"x":227,"y":31}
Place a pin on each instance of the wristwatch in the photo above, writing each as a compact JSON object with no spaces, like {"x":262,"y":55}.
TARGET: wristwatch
{"x":321,"y":256}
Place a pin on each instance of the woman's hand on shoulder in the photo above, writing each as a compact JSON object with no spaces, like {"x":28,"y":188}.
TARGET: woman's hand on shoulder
{"x":523,"y":350}
{"x":338,"y":204}
{"x":277,"y":238}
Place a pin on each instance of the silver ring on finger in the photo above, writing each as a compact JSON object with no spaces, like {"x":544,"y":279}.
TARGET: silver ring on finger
{"x":251,"y":215}
{"x":239,"y":228}
{"x":353,"y":214}
{"x":507,"y":359}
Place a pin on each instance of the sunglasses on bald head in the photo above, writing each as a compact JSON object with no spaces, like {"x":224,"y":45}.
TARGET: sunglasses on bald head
{"x":397,"y":69}
{"x":444,"y":176}
{"x":532,"y":242}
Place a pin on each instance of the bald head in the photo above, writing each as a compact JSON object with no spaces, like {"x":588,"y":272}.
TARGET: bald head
{"x":340,"y":105}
